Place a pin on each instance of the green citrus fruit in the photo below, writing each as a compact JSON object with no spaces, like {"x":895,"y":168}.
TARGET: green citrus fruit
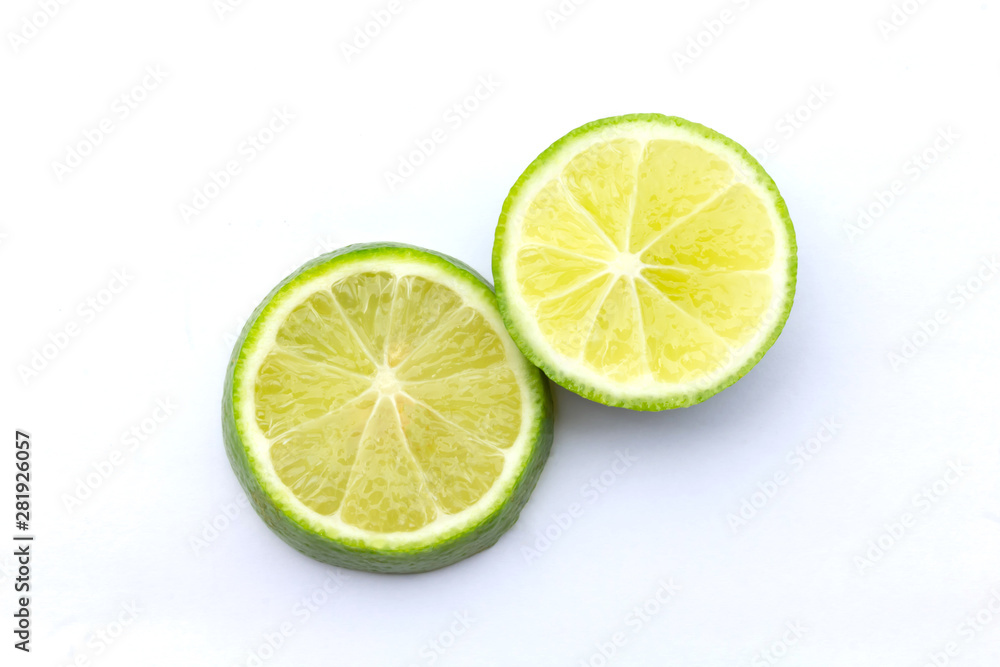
{"x":645,"y":262}
{"x":379,"y":416}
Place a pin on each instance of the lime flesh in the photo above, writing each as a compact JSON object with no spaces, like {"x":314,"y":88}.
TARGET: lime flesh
{"x":378,"y":414}
{"x":645,"y":262}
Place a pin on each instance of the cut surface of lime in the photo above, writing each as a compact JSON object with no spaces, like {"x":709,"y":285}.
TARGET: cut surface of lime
{"x":645,"y":262}
{"x":379,"y":415}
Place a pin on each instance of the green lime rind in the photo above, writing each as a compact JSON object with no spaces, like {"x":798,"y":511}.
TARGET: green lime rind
{"x":356,"y":554}
{"x":681,"y":399}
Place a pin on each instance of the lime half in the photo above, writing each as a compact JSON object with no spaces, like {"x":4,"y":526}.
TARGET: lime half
{"x":645,"y":262}
{"x":379,"y":416}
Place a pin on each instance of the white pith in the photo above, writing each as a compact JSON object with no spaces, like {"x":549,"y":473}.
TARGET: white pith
{"x":645,"y":387}
{"x":258,"y":446}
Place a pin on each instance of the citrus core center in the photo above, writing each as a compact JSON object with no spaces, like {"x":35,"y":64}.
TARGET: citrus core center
{"x":385,"y":382}
{"x":626,"y":264}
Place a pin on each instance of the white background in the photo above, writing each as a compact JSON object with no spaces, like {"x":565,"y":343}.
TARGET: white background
{"x":321,"y":184}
